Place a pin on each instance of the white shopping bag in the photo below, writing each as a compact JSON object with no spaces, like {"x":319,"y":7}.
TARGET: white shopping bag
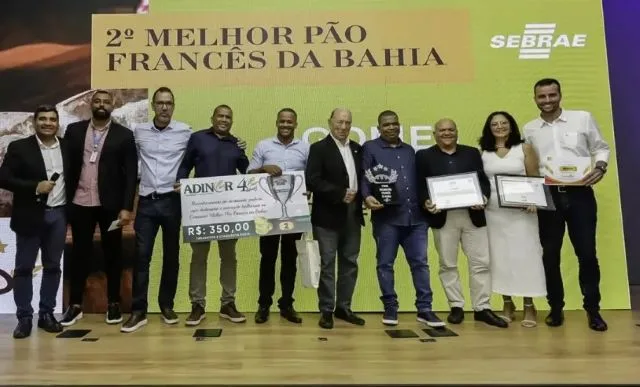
{"x":308,"y":262}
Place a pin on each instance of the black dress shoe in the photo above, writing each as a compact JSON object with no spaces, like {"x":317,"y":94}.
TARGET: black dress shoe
{"x":349,"y":317}
{"x":596,"y":322}
{"x":555,"y":318}
{"x":23,"y":329}
{"x":49,"y":323}
{"x":456,"y":316}
{"x":326,"y":320}
{"x":487,"y":316}
{"x":262,"y":315}
{"x":291,"y":315}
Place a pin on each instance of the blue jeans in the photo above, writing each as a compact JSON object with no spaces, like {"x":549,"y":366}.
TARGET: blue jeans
{"x":413,"y":240}
{"x":50,"y":240}
{"x":151,"y":215}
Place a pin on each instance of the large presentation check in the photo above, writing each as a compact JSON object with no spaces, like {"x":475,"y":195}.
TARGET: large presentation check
{"x":239,"y":206}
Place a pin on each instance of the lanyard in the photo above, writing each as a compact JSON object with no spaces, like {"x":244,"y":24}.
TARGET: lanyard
{"x":97,"y":139}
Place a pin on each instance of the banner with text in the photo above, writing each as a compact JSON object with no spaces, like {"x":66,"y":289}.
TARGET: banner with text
{"x":240,"y":206}
{"x":271,"y":49}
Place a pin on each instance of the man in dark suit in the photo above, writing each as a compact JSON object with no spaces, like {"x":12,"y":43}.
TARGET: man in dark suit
{"x":103,"y":176}
{"x":332,"y":175}
{"x":35,"y":169}
{"x":452,"y":227}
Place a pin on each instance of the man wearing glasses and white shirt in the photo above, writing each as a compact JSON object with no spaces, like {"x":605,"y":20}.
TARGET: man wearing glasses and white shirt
{"x":568,"y":134}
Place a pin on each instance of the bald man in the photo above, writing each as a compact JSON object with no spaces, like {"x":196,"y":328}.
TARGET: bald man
{"x":332,"y":174}
{"x":466,"y":226}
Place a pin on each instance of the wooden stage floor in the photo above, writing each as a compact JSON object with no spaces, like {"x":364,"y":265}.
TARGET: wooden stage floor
{"x":283,"y":353}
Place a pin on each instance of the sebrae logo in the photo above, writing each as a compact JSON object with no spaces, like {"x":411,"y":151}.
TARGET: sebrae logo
{"x":538,"y":40}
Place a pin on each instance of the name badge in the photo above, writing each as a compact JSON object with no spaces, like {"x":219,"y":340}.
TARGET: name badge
{"x":94,"y":157}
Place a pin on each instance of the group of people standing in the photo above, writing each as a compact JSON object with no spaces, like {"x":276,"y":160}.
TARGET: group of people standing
{"x":91,"y":177}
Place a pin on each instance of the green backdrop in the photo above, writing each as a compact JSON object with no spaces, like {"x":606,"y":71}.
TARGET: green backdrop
{"x":501,"y":81}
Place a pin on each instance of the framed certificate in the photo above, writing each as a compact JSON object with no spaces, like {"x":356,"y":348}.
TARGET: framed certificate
{"x":523,"y":191}
{"x":566,"y":170}
{"x":461,"y":190}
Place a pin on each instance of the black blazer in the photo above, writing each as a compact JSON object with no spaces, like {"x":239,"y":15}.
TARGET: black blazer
{"x":21,"y":171}
{"x":428,"y":162}
{"x":117,"y":166}
{"x":327,"y":179}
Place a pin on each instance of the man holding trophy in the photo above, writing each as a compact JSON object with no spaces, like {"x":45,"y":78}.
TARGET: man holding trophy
{"x":390,"y":191}
{"x":568,"y":142}
{"x":273,"y":156}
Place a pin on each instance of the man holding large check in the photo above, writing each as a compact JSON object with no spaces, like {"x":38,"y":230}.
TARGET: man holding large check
{"x":454,"y":190}
{"x":273,"y":156}
{"x":213,"y":152}
{"x":568,"y":142}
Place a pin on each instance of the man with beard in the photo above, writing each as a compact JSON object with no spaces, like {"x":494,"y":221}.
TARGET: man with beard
{"x":273,"y":156}
{"x":466,"y":226}
{"x":34,"y":169}
{"x":565,"y":135}
{"x":103,"y":175}
{"x":214,"y":152}
{"x":161,"y":146}
{"x":400,"y":222}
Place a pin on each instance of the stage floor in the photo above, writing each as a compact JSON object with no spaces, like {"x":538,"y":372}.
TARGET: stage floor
{"x":282,"y":353}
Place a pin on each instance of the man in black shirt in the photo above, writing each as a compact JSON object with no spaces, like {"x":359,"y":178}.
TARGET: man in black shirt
{"x":452,"y":227}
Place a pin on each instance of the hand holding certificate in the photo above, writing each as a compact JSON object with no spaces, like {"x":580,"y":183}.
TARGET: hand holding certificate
{"x":566,"y":170}
{"x":523,"y":192}
{"x":455,"y":191}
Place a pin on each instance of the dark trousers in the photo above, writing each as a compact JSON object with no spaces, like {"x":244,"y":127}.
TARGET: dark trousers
{"x":50,"y":241}
{"x":575,"y":206}
{"x":413,"y":240}
{"x":83,"y":225}
{"x":288,"y":254}
{"x":152,"y":214}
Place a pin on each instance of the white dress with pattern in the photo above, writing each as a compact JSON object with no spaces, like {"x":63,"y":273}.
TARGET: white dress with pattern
{"x":514,"y":243}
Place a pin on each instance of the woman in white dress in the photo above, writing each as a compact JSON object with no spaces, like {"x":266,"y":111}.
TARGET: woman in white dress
{"x":514,"y":243}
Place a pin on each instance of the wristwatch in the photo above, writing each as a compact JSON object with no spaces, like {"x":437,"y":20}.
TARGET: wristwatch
{"x":603,"y":169}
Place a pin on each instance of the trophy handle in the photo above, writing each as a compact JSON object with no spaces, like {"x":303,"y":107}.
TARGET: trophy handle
{"x":297,"y":179}
{"x":265,"y":189}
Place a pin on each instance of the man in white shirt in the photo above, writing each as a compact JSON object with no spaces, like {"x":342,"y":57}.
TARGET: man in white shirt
{"x":161,"y":144}
{"x":567,"y":134}
{"x":34,"y":170}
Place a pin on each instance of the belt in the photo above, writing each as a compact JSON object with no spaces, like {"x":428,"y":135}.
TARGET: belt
{"x":54,"y":207}
{"x":156,"y":196}
{"x":568,"y":188}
